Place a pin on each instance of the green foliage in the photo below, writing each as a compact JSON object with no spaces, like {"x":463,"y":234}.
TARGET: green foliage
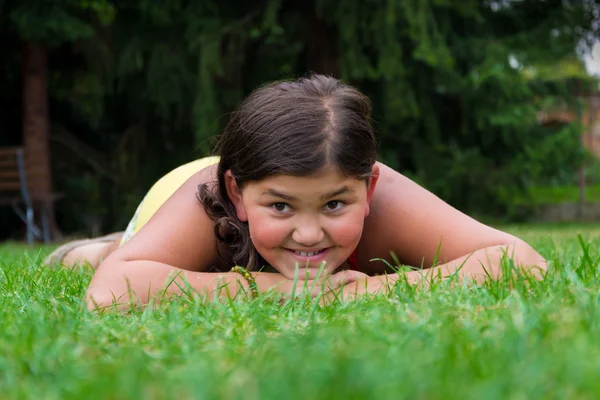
{"x":555,"y":157}
{"x":54,"y":23}
{"x":565,"y":68}
{"x":150,"y":84}
{"x":539,"y":195}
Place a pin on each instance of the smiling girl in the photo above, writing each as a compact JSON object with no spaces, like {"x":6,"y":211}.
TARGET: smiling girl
{"x":295,"y":187}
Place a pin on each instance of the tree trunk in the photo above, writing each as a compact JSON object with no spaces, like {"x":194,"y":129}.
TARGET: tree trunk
{"x":36,"y":131}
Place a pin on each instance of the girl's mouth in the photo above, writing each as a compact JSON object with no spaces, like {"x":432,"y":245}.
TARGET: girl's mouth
{"x":309,"y":255}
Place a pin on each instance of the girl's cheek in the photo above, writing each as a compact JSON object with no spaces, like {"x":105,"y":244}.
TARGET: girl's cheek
{"x":267,"y":233}
{"x":347,"y":231}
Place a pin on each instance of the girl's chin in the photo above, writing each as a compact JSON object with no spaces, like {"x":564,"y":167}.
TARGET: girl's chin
{"x":309,"y":269}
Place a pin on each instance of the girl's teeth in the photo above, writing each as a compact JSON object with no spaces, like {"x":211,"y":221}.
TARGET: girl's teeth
{"x":303,"y":254}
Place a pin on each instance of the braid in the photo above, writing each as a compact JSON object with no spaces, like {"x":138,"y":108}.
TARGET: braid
{"x":230,"y":231}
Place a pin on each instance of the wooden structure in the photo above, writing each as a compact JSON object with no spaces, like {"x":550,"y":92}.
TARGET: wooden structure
{"x":15,"y":191}
{"x":590,"y":119}
{"x":589,"y":116}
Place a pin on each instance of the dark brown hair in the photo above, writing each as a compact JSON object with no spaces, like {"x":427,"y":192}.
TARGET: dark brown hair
{"x":291,"y":128}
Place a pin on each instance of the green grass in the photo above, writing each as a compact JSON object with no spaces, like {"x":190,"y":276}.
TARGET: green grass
{"x":494,"y":342}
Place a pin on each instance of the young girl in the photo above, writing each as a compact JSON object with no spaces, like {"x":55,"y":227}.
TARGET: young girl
{"x":295,"y":190}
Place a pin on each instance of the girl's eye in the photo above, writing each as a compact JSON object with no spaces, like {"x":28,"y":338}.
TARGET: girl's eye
{"x":334,"y":205}
{"x":281,"y":207}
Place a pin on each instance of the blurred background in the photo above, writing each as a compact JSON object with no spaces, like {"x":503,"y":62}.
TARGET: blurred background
{"x":493,"y":105}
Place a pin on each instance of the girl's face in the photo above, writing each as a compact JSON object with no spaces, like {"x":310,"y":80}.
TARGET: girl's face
{"x":304,"y":221}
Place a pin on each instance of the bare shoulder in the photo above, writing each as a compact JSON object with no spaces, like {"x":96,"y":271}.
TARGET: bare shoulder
{"x":413,"y":223}
{"x":180,"y":233}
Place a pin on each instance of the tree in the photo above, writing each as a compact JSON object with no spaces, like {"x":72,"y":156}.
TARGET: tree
{"x":455,"y":110}
{"x":143,"y":86}
{"x":41,"y":26}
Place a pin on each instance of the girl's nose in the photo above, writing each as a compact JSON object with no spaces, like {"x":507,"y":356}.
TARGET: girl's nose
{"x":308,"y":234}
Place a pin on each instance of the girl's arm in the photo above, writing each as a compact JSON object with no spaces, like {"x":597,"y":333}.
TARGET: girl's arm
{"x":482,"y":264}
{"x":179,"y":234}
{"x":140,"y":281}
{"x":485,"y":263}
{"x":420,"y":229}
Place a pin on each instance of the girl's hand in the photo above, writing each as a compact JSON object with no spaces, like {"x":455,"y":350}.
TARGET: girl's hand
{"x":380,"y":284}
{"x":286,"y":287}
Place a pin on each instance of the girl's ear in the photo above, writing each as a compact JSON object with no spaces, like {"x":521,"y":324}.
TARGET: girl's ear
{"x":235,"y":195}
{"x":371,"y":188}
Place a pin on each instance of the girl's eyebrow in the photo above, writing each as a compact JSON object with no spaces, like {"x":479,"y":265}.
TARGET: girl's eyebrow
{"x":275,"y":193}
{"x":326,"y":196}
{"x":340,"y":191}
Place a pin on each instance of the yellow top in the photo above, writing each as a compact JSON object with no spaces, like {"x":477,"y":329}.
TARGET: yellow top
{"x":161,"y":191}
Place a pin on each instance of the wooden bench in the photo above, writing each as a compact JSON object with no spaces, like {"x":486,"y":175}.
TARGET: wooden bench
{"x":14,"y":192}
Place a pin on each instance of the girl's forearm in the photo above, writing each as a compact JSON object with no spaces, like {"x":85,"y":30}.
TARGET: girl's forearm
{"x":484,"y":264}
{"x":141,"y":281}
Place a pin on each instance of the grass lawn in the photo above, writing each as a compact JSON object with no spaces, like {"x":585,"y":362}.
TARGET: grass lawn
{"x":493,"y":342}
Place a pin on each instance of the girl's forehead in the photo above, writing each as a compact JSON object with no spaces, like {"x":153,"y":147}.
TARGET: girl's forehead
{"x":326,"y":181}
{"x":326,"y":176}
